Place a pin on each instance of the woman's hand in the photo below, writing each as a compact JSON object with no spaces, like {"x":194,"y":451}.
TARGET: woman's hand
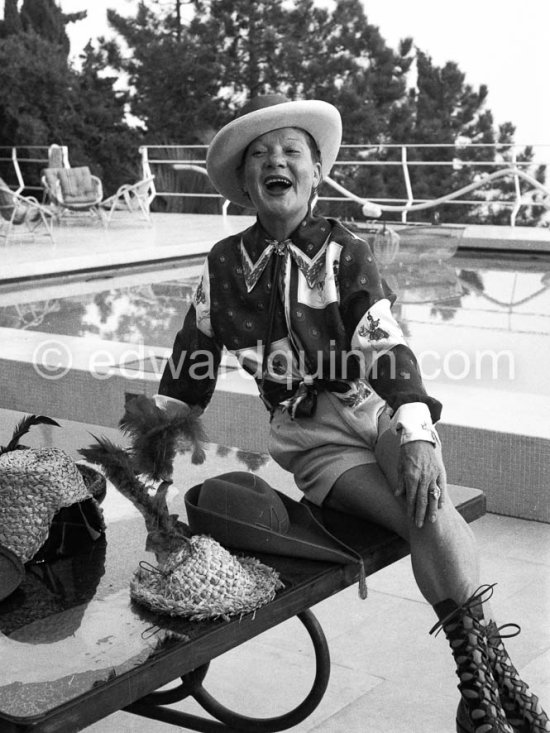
{"x":422,"y":480}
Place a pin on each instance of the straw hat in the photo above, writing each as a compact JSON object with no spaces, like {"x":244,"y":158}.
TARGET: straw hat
{"x":204,"y":581}
{"x":48,"y":504}
{"x":37,"y":488}
{"x":34,"y":485}
{"x":263,"y":114}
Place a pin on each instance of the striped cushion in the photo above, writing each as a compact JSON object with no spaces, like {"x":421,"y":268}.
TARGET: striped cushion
{"x":77,"y":186}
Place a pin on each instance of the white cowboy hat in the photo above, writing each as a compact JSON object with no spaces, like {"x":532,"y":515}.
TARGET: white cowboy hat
{"x":263,"y":114}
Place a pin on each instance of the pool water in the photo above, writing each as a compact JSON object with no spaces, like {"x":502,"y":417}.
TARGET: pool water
{"x":145,"y":308}
{"x":477,"y":320}
{"x":509,"y":294}
{"x":491,"y":328}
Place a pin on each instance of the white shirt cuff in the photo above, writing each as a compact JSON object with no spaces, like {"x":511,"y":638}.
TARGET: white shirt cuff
{"x":413,"y":422}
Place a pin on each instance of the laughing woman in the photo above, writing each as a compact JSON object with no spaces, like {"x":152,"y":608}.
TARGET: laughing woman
{"x":299,"y":300}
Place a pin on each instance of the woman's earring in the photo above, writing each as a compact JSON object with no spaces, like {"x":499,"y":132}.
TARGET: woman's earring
{"x":313,"y":197}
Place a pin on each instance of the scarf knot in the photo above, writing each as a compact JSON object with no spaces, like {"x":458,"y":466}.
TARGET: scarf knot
{"x":280,"y":248}
{"x":309,"y":268}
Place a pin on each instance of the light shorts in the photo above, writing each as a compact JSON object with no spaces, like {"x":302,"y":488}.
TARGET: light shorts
{"x":319,"y":449}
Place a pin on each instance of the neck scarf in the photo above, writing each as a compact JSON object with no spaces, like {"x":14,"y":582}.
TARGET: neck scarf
{"x":310,"y":268}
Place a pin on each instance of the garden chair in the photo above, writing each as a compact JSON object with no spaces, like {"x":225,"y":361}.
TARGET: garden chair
{"x":134,"y":198}
{"x":58,"y":156}
{"x":22,"y":211}
{"x":73,"y":191}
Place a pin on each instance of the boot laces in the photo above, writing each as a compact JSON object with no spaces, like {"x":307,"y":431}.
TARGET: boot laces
{"x":476,"y":600}
{"x":510,"y":635}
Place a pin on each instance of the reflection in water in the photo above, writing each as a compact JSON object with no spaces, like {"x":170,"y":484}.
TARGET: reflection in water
{"x":133,"y":315}
{"x":149,"y":314}
{"x":29,"y":315}
{"x":411,"y":243}
{"x":471,"y":280}
{"x":427,"y":282}
{"x":253,"y":461}
{"x":421,"y":268}
{"x":473,"y":283}
{"x":467,"y":281}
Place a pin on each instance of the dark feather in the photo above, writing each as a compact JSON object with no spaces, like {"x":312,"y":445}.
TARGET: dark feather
{"x":23,"y":427}
{"x":156,"y":436}
{"x":164,"y":530}
{"x":118,"y":468}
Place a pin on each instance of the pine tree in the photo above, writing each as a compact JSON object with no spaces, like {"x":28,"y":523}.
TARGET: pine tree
{"x":43,"y":99}
{"x":45,"y":18}
{"x":190,"y":79}
{"x":34,"y":84}
{"x":95,"y":130}
{"x":12,"y":22}
{"x":444,"y":109}
{"x":174,"y":78}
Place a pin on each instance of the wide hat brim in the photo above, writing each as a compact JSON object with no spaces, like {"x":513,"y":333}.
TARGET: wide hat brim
{"x":204,"y":582}
{"x":306,"y":538}
{"x":321,"y":119}
{"x":12,"y":572}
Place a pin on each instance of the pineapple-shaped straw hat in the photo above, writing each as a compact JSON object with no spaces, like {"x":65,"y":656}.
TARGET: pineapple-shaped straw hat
{"x":195,"y":577}
{"x":36,"y":485}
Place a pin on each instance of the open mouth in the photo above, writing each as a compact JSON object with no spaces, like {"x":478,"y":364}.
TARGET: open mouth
{"x":277,"y":184}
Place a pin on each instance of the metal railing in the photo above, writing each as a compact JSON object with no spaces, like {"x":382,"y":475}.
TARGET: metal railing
{"x":505,"y":165}
{"x":506,"y":162}
{"x":18,"y":160}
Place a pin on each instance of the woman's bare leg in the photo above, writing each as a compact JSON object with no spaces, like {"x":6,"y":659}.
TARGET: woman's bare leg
{"x":446,"y":567}
{"x":443,"y":553}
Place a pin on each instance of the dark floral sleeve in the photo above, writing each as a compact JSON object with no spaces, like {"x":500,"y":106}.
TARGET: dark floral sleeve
{"x":191,"y":372}
{"x":390,"y":365}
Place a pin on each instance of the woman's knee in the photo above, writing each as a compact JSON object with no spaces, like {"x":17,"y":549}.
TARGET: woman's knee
{"x":449,"y":527}
{"x":365,"y":492}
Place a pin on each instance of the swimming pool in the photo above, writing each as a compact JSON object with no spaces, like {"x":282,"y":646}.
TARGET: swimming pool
{"x":474,"y":321}
{"x":124,"y":305}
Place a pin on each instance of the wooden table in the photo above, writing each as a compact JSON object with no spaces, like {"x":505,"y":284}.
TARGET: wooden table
{"x":75,"y":648}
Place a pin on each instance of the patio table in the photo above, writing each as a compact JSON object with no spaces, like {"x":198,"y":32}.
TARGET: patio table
{"x":75,"y":648}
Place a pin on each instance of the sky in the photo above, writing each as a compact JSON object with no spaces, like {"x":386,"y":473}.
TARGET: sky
{"x":503,"y":44}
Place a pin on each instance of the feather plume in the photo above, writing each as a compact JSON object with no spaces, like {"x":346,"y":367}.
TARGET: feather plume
{"x":118,"y":468}
{"x":156,"y":436}
{"x":23,"y":427}
{"x":164,"y":531}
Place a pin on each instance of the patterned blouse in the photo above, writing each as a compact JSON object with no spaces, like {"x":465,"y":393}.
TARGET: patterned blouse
{"x":332,"y":326}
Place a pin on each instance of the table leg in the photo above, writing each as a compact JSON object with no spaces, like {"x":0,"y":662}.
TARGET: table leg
{"x":151,"y":705}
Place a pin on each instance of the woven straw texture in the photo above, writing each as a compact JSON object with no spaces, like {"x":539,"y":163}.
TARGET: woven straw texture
{"x":34,"y":485}
{"x":204,"y":581}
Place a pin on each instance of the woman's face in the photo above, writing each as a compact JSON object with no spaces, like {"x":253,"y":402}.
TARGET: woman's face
{"x":279,"y":175}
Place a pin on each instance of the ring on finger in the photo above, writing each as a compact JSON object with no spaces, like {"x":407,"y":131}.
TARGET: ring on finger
{"x":435,"y":493}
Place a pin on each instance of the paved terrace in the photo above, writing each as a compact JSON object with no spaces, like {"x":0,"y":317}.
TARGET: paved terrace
{"x":90,"y":246}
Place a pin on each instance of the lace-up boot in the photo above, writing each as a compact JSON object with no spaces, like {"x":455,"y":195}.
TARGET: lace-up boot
{"x":522,"y":707}
{"x":480,"y":709}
